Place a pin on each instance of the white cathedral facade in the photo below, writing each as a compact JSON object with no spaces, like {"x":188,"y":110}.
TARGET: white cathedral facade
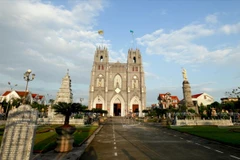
{"x":117,"y":87}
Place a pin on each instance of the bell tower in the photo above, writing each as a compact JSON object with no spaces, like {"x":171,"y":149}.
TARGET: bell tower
{"x":136,"y":82}
{"x":101,"y":55}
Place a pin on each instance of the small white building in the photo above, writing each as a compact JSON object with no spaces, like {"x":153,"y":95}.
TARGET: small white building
{"x":10,"y":95}
{"x":202,"y":98}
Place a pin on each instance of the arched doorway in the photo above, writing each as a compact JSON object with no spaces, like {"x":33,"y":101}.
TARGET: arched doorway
{"x":135,"y":106}
{"x":117,"y":106}
{"x":98,"y":103}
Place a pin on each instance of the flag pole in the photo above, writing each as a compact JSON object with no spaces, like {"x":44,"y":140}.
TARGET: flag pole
{"x":132,"y":32}
{"x":101,"y":33}
{"x":102,"y":39}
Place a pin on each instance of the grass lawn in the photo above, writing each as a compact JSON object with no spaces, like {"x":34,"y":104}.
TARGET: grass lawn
{"x":45,"y":139}
{"x":227,"y":135}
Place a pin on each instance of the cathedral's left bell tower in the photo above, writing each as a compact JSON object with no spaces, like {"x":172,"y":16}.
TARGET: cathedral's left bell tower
{"x":98,"y":87}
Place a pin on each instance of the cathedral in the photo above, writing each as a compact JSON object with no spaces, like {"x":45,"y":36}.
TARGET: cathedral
{"x":117,"y":87}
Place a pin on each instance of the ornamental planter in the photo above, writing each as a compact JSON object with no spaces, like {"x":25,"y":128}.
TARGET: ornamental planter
{"x":65,"y":138}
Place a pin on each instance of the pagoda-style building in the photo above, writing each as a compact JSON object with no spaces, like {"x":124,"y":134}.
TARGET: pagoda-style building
{"x":65,"y":92}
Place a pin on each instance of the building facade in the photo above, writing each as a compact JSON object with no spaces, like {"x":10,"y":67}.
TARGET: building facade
{"x":166,"y":100}
{"x":202,"y":98}
{"x":117,"y":87}
{"x":229,"y":99}
{"x":30,"y":97}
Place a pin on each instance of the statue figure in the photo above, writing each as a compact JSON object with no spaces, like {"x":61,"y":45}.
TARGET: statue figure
{"x":184,"y":73}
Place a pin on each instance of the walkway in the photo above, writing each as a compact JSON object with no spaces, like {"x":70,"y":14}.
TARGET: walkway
{"x":121,"y":139}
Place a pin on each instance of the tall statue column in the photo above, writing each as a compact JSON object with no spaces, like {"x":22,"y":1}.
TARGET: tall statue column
{"x":187,"y":94}
{"x":184,"y":73}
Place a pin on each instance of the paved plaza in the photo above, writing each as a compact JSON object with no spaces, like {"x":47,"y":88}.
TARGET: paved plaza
{"x":125,"y":139}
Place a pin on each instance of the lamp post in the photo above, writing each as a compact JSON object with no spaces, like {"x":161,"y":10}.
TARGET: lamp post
{"x":9,"y":103}
{"x":81,"y":100}
{"x":27,"y":77}
{"x":11,"y":87}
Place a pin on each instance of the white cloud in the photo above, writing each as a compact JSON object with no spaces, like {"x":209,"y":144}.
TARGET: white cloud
{"x":212,"y":18}
{"x":48,"y":39}
{"x":179,"y":45}
{"x":231,"y":29}
{"x":207,"y":89}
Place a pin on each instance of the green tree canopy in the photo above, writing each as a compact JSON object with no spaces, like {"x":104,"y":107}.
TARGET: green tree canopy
{"x":67,"y":109}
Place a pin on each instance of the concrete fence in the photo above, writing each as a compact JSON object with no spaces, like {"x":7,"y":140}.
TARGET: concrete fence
{"x":59,"y":121}
{"x":199,"y":122}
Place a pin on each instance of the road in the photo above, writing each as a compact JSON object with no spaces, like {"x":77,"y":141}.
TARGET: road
{"x":123,"y":139}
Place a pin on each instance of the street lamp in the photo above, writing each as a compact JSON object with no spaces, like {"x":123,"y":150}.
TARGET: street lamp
{"x":81,"y":100}
{"x":48,"y":98}
{"x":9,"y":83}
{"x":27,"y":78}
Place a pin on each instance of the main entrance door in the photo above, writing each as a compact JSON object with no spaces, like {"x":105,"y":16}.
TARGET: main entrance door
{"x":117,"y":109}
{"x":98,"y":106}
{"x":135,"y":108}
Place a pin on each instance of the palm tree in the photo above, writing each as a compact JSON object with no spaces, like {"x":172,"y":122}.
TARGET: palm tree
{"x":65,"y":131}
{"x":67,"y":109}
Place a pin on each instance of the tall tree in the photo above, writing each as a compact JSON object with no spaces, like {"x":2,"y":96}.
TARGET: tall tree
{"x":235,"y":93}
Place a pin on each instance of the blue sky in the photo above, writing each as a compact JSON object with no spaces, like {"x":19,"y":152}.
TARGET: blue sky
{"x":50,"y":37}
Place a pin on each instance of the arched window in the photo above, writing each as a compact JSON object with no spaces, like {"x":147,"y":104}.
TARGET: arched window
{"x":101,"y":58}
{"x":117,"y":82}
{"x":134,"y":59}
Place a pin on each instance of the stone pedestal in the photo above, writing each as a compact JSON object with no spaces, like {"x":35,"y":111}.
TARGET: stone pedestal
{"x":95,"y":123}
{"x":64,"y":143}
{"x":65,"y":138}
{"x":101,"y":120}
{"x":164,"y":122}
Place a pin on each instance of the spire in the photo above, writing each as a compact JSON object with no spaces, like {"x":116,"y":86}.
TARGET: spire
{"x":65,"y":92}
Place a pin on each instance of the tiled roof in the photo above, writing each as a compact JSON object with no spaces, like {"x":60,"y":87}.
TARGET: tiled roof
{"x":196,"y":95}
{"x":6,"y":93}
{"x":34,"y":95}
{"x":173,"y":97}
{"x":40,"y":96}
{"x":22,"y":93}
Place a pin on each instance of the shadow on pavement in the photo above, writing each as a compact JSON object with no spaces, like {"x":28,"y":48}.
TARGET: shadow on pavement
{"x":128,"y":155}
{"x":91,"y":154}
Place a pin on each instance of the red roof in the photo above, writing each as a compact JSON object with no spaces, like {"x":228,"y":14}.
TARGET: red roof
{"x":34,"y":95}
{"x":196,"y":95}
{"x":40,"y":96}
{"x":22,"y":93}
{"x":173,"y":97}
{"x":6,"y":93}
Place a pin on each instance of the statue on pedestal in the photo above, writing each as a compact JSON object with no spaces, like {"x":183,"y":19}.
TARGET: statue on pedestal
{"x":184,"y":73}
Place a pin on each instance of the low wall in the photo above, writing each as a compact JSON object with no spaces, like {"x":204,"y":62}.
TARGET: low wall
{"x":198,"y":122}
{"x":53,"y":121}
{"x":60,"y":121}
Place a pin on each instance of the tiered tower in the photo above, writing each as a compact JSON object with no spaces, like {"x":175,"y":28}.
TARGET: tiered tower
{"x":117,"y":87}
{"x":187,"y":94}
{"x":65,"y":92}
